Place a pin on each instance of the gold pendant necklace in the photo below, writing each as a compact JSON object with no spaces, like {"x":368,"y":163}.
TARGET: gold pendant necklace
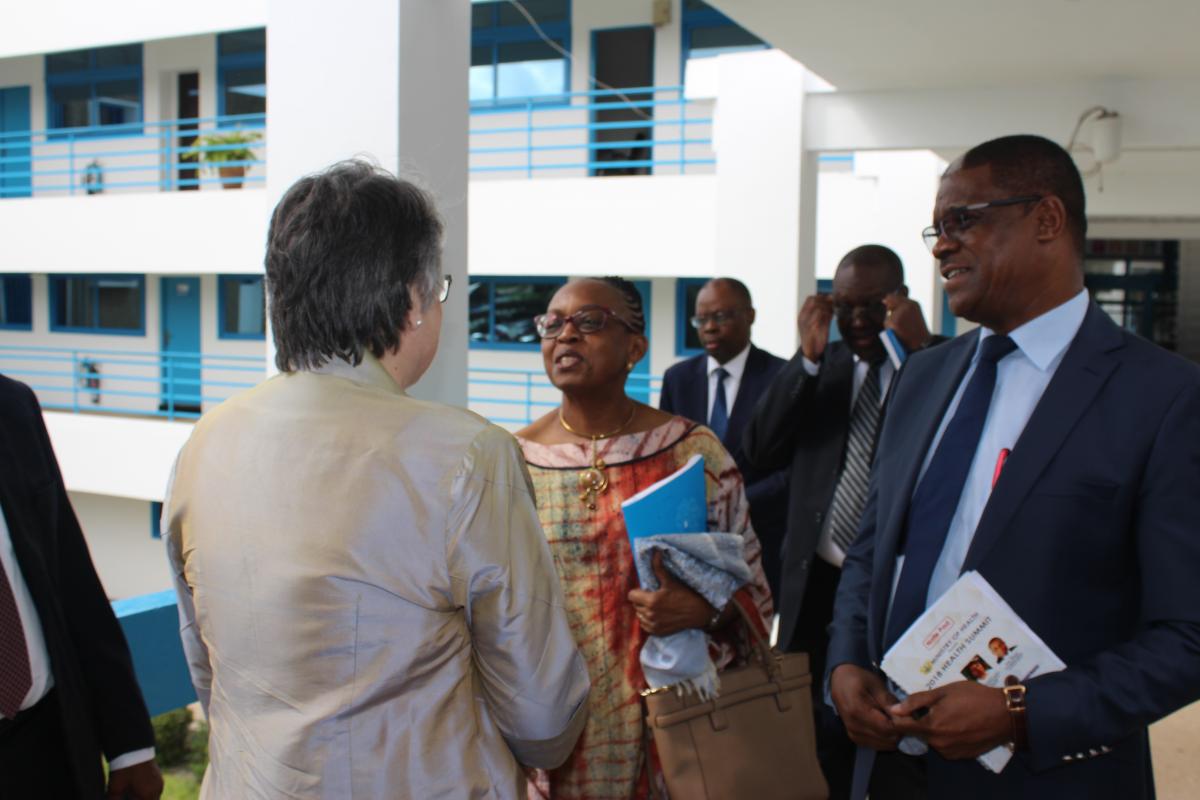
{"x":593,"y":481}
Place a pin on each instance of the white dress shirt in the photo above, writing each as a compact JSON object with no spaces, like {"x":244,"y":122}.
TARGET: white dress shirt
{"x":827,"y":548}
{"x":35,"y":642}
{"x":735,"y":366}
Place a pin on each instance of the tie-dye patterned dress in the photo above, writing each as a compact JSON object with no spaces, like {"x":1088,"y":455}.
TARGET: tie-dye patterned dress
{"x":592,"y":554}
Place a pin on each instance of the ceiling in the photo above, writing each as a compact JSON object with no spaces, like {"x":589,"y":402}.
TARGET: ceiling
{"x":919,"y":44}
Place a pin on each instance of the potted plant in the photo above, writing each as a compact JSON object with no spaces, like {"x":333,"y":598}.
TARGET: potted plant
{"x":224,"y":151}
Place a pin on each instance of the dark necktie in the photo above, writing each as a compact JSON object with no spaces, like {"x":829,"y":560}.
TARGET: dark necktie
{"x":850,"y":494}
{"x":719,"y":420}
{"x":15,"y":675}
{"x":936,"y":499}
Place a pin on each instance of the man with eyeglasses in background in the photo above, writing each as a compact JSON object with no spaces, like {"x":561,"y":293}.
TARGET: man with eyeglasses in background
{"x":720,"y":388}
{"x":820,"y":416}
{"x":1058,"y":456}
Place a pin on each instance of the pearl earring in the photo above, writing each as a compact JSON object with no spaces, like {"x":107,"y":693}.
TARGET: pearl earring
{"x":419,"y":322}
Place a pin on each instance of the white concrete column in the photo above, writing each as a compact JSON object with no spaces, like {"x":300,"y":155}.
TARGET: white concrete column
{"x":761,"y":177}
{"x":385,"y":79}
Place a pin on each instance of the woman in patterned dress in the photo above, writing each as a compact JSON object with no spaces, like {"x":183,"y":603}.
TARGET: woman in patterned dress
{"x":598,"y":449}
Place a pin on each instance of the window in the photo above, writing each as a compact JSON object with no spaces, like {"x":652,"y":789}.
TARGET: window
{"x":242,"y":307}
{"x":242,"y":72}
{"x":509,"y":60}
{"x":687,"y":339}
{"x":707,"y":32}
{"x":110,"y":304}
{"x":502,"y":310}
{"x":1136,"y":282}
{"x":97,"y":87}
{"x":16,"y":303}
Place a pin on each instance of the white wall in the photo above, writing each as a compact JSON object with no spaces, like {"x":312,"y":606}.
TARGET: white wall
{"x":178,"y":233}
{"x":127,"y":558}
{"x":116,"y":456}
{"x":886,"y":199}
{"x":49,"y":26}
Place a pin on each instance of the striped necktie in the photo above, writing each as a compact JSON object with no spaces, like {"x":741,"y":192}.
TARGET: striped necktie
{"x":16,"y":677}
{"x":850,"y":494}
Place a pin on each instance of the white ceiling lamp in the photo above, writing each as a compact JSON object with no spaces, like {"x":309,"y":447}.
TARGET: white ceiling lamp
{"x":1104,"y":140}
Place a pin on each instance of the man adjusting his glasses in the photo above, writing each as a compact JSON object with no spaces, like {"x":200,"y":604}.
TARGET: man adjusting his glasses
{"x":820,"y":416}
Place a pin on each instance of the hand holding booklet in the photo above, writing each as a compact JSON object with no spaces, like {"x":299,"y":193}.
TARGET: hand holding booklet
{"x":970,"y":633}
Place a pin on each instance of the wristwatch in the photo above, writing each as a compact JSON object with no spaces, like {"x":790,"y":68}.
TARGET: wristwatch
{"x":1014,"y":701}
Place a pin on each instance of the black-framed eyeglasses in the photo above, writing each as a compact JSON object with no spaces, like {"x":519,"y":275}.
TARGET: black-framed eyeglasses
{"x":444,"y":292}
{"x":961,"y":218}
{"x":875,"y":310}
{"x":585,"y":320}
{"x":717,"y":318}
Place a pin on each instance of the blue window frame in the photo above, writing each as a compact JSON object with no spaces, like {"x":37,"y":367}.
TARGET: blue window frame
{"x":502,"y":309}
{"x":155,"y":519}
{"x":102,"y":304}
{"x":510,"y":61}
{"x":242,"y":72}
{"x":93,"y":88}
{"x":16,"y":303}
{"x":707,"y":32}
{"x":241,"y":307}
{"x":687,"y":340}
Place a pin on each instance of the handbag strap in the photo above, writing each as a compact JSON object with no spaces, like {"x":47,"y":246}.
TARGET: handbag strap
{"x":647,"y":740}
{"x":758,"y":641}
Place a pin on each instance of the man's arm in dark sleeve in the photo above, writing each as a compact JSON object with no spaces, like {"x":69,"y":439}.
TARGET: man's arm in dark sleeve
{"x":120,"y":712}
{"x":1118,"y":691}
{"x":666,"y":398}
{"x":769,"y":440}
{"x":772,"y":488}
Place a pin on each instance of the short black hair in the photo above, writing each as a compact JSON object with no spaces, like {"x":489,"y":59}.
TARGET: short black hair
{"x":739,"y":288}
{"x":633,"y":300}
{"x":876,"y":255}
{"x":1028,"y":164}
{"x":344,"y":249}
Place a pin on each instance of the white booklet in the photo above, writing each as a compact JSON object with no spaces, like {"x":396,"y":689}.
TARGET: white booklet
{"x":970,"y":633}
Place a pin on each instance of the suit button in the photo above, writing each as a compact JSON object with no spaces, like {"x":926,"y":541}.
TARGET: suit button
{"x":818,"y":516}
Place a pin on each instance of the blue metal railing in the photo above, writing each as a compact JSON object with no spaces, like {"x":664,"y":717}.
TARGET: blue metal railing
{"x":148,"y":155}
{"x":518,"y":396}
{"x":140,"y":383}
{"x":181,"y":385}
{"x":535,"y":134}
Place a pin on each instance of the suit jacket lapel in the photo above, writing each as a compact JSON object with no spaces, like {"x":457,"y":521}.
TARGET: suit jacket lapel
{"x":743,"y":406}
{"x":908,"y":451}
{"x":1084,"y":370}
{"x":697,"y":398}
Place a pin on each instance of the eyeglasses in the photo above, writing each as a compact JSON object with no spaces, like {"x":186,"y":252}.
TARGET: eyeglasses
{"x":444,"y":292}
{"x":586,"y":320}
{"x":875,"y":310}
{"x":961,"y":218}
{"x":717,"y":318}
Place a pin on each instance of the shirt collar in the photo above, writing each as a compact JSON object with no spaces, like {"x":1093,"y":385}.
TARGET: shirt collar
{"x":1043,"y":339}
{"x":368,"y":371}
{"x":734,"y":366}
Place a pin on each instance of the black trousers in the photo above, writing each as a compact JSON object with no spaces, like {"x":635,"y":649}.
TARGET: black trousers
{"x":835,"y":751}
{"x":33,"y":755}
{"x":897,"y":776}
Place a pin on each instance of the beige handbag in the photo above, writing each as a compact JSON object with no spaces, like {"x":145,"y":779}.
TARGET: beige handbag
{"x":754,"y":740}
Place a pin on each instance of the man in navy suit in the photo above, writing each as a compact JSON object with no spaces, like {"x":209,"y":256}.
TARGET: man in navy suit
{"x":1057,"y":455}
{"x":720,"y":388}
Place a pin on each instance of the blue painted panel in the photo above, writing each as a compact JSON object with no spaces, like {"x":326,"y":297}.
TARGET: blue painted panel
{"x":949,"y":322}
{"x":15,"y":152}
{"x":180,"y":342}
{"x":638,"y":385}
{"x":151,"y":626}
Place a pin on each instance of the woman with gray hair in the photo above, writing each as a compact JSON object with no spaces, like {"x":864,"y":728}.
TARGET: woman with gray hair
{"x":368,"y":605}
